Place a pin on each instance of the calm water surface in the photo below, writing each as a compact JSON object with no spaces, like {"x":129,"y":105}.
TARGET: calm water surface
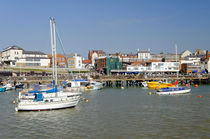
{"x":113,"y":113}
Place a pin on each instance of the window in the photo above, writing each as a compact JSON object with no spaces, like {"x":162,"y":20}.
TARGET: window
{"x":36,"y":59}
{"x":32,"y":64}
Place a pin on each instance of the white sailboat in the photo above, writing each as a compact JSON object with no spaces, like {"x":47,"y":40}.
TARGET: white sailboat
{"x":173,"y":90}
{"x":48,"y":98}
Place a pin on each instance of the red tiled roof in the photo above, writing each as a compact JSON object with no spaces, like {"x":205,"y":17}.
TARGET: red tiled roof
{"x":86,"y":61}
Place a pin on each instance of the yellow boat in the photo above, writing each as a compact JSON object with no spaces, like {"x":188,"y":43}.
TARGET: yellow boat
{"x":156,"y":84}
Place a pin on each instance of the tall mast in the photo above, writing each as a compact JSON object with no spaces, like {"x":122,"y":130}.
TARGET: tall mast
{"x":53,"y":46}
{"x":176,"y":61}
{"x":56,"y":78}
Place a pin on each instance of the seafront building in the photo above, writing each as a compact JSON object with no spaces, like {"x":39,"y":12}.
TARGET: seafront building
{"x":107,"y":63}
{"x":74,"y":61}
{"x":144,"y":55}
{"x":92,"y":55}
{"x":15,"y":56}
{"x":33,"y":59}
{"x":192,"y":64}
{"x":155,"y":67}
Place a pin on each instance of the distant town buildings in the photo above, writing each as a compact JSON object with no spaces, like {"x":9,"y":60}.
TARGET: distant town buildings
{"x":140,"y":61}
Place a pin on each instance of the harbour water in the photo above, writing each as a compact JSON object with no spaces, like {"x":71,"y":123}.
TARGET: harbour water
{"x":113,"y":113}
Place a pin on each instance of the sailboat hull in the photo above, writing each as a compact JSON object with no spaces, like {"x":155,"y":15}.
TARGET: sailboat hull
{"x":41,"y":106}
{"x":173,"y":92}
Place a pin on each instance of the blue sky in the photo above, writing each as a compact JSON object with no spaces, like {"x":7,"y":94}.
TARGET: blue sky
{"x":110,"y":25}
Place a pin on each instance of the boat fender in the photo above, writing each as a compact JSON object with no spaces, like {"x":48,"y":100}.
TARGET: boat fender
{"x":86,"y":100}
{"x":196,"y":85}
{"x":199,"y":96}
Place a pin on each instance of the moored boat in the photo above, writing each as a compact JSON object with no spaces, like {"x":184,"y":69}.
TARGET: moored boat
{"x":44,"y":97}
{"x":47,"y":101}
{"x":7,"y":86}
{"x":173,"y":91}
{"x":76,"y":85}
{"x":19,"y":85}
{"x":157,"y":84}
{"x":95,"y":85}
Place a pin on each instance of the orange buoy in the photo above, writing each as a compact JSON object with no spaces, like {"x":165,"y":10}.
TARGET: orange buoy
{"x":86,"y":100}
{"x":199,"y":96}
{"x":196,"y":85}
{"x":186,"y":85}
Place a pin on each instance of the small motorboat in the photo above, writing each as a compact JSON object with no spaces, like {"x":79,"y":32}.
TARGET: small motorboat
{"x":173,"y":91}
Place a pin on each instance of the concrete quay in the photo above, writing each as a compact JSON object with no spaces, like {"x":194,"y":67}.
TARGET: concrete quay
{"x":116,"y":81}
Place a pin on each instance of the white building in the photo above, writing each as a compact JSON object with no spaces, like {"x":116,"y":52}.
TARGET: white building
{"x":155,"y":67}
{"x":33,"y":58}
{"x":11,"y":54}
{"x":191,"y":59}
{"x":18,"y":57}
{"x":75,"y":61}
{"x":185,"y":53}
{"x":144,"y":55}
{"x":78,"y":61}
